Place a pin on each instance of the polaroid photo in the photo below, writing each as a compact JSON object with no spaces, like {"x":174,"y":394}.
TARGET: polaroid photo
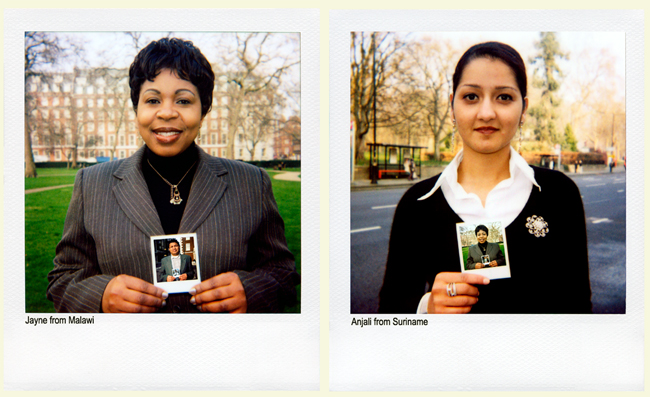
{"x":483,"y":249}
{"x":175,"y":260}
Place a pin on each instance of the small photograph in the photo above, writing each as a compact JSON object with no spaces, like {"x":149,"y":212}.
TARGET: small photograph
{"x":175,"y":260}
{"x":483,"y":249}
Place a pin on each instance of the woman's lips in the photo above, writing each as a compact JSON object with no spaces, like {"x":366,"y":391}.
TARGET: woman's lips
{"x":166,"y":135}
{"x":486,"y":130}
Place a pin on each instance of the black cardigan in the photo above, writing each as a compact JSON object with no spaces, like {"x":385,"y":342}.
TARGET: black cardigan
{"x":548,"y":274}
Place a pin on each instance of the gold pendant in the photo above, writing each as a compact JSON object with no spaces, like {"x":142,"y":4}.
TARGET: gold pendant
{"x":176,"y":196}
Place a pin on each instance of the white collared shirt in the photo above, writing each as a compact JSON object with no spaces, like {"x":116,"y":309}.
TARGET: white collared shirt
{"x":176,"y":262}
{"x":504,"y":202}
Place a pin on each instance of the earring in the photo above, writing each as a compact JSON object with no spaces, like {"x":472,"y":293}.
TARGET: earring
{"x":453,"y":136}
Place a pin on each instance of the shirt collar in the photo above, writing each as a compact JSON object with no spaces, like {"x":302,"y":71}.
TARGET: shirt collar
{"x":450,"y":174}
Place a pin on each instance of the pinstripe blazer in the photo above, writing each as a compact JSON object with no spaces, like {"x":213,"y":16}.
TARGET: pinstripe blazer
{"x":111,"y":218}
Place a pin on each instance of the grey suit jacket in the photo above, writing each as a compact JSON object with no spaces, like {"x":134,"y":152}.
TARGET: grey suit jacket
{"x":166,"y":265}
{"x":111,"y":218}
{"x":474,"y":255}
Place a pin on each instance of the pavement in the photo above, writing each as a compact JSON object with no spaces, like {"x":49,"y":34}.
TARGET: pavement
{"x":42,"y":189}
{"x":293,"y":176}
{"x":396,"y":183}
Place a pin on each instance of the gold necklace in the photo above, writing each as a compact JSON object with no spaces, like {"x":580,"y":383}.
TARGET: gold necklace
{"x":175,"y":194}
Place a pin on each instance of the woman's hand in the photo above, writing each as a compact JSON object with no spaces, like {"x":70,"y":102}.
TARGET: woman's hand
{"x":467,"y":293}
{"x":170,"y":278}
{"x":128,"y":294}
{"x":183,"y":277}
{"x":493,"y":264}
{"x":221,"y":293}
{"x":478,"y":265}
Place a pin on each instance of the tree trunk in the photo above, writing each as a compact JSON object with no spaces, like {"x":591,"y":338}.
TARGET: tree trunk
{"x":30,"y":167}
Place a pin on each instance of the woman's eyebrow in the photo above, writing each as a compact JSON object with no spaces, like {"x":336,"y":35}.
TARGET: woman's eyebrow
{"x":184,"y":90}
{"x":501,"y":87}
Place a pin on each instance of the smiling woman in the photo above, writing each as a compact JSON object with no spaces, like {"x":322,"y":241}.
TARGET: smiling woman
{"x":489,"y":181}
{"x":171,"y":186}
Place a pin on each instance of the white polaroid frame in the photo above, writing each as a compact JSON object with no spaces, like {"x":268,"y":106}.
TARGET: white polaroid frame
{"x":176,"y":287}
{"x":492,"y":272}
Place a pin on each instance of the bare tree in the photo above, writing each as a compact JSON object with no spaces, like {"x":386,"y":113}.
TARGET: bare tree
{"x":435,"y":62}
{"x":258,"y":63}
{"x":42,"y":49}
{"x":372,"y":62}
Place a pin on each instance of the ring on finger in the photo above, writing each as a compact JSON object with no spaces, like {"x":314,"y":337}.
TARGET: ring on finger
{"x":451,"y":289}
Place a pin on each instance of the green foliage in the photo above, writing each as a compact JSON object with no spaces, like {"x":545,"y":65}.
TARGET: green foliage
{"x":45,"y":215}
{"x":547,"y":76}
{"x":570,"y":140}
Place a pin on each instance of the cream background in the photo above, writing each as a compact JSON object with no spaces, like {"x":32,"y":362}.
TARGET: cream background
{"x":323,"y":206}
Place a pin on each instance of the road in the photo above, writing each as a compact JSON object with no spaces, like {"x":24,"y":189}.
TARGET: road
{"x":603,"y":196}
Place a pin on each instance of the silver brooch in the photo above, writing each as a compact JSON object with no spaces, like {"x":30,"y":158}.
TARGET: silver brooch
{"x":537,"y":225}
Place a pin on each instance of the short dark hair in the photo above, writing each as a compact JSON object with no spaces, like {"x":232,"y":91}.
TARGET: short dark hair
{"x":181,"y":57}
{"x":173,"y":240}
{"x":493,"y":50}
{"x":481,"y":227}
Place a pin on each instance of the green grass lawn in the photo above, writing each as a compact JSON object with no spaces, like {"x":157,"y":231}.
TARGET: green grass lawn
{"x":50,"y":177}
{"x":45,"y":215}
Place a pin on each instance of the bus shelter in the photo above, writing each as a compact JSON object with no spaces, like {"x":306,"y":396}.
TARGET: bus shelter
{"x":387,"y":160}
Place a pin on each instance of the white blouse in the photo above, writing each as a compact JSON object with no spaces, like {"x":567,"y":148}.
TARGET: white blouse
{"x":504,"y":202}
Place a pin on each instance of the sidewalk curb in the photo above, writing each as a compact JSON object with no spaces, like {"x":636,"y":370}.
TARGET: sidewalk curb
{"x":389,"y":184}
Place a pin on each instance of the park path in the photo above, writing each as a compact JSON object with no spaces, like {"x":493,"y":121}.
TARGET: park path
{"x":42,"y":189}
{"x":292,"y":176}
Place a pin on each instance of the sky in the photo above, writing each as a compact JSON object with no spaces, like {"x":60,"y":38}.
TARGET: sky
{"x":572,"y":42}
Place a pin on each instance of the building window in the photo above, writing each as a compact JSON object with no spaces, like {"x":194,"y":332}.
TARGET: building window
{"x":89,"y":89}
{"x":263,"y":150}
{"x":66,"y":114}
{"x":66,"y":101}
{"x":91,"y":127}
{"x":55,"y":101}
{"x":224,"y":138}
{"x":91,"y":103}
{"x":100,"y":127}
{"x":57,"y":155}
{"x":78,"y":90}
{"x":100,"y":102}
{"x":101,"y":153}
{"x":122,"y":154}
{"x":66,"y":87}
{"x":44,"y":102}
{"x":241,"y":152}
{"x":80,"y":103}
{"x":121,"y":140}
{"x":111,"y":140}
{"x":131,"y":140}
{"x":214,"y":152}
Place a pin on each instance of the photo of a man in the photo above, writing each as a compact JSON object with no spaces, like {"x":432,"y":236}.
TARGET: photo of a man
{"x":176,"y":266}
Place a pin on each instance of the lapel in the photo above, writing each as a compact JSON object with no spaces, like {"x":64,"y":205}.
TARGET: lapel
{"x":208,"y":187}
{"x":133,"y":196}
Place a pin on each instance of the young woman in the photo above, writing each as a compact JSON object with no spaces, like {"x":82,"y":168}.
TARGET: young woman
{"x":171,"y":186}
{"x":489,"y":181}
